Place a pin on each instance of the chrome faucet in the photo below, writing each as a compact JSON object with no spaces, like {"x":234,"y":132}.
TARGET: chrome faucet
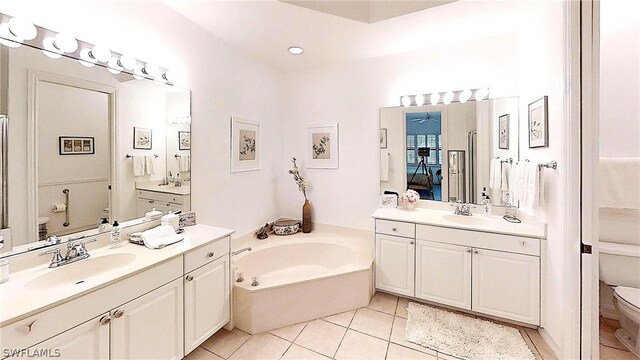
{"x":75,"y":252}
{"x":234,"y":253}
{"x":462,"y":208}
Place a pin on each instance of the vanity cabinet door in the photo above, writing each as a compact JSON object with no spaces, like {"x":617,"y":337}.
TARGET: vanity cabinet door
{"x":506,"y":285}
{"x":443,"y":273}
{"x":395,"y":260}
{"x":86,"y":341}
{"x":206,"y":302}
{"x":151,"y":326}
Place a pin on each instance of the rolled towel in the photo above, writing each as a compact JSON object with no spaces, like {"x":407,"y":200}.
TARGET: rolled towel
{"x":159,"y":237}
{"x":384,"y":165}
{"x":138,"y":165}
{"x":149,"y":164}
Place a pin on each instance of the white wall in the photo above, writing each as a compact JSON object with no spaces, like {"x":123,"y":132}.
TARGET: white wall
{"x":619,"y":78}
{"x":224,"y":83}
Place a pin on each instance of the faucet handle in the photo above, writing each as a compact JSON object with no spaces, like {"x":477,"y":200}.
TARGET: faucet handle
{"x":56,"y":252}
{"x":57,"y":257}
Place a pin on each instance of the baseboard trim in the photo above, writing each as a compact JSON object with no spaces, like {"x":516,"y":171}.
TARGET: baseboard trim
{"x":609,"y":313}
{"x":550,"y":341}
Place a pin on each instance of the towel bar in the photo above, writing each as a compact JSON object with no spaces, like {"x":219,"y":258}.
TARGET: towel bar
{"x":129,"y":156}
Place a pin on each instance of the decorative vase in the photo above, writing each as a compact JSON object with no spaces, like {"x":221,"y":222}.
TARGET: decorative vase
{"x":306,"y":217}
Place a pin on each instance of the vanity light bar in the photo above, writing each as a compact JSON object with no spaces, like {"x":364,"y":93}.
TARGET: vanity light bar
{"x":446,"y":98}
{"x":15,"y":31}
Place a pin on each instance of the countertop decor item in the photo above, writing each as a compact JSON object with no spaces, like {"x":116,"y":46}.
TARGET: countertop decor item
{"x":286,"y":227}
{"x":409,"y":199}
{"x":262,"y":233}
{"x":302,"y":186}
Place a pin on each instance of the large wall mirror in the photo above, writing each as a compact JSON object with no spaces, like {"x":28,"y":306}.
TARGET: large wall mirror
{"x":445,"y":152}
{"x":83,"y":145}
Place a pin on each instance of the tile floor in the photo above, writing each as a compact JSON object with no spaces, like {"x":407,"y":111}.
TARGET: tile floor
{"x":610,"y":347}
{"x":374,"y":332}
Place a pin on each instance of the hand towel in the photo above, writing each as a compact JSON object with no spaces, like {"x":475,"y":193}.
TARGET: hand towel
{"x":150,"y":166}
{"x":512,"y":181}
{"x":384,"y":165}
{"x":184,"y":162}
{"x":160,"y":236}
{"x":619,"y":182}
{"x":531,"y":189}
{"x":504,"y":176}
{"x":138,"y":165}
{"x":518,"y":182}
{"x":495,"y":174}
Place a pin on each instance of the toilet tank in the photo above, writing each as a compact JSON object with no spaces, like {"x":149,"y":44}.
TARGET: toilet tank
{"x":620,"y":247}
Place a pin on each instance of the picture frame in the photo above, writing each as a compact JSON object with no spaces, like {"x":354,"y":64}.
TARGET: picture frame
{"x":388,"y":201}
{"x":383,"y":138}
{"x":142,"y":138}
{"x":245,"y":145}
{"x":184,"y":140}
{"x":323,"y":146}
{"x":503,"y":132}
{"x":76,"y":145}
{"x":539,"y":123}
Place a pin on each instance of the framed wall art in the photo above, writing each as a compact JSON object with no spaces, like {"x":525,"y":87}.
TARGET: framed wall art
{"x":538,"y":123}
{"x":383,"y":138}
{"x":184,"y":140}
{"x":245,"y":145}
{"x":142,"y":138}
{"x":503,"y":132}
{"x":76,"y":145}
{"x":323,"y":146}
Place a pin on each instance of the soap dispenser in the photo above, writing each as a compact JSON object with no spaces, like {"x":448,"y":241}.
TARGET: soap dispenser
{"x":486,"y":206}
{"x":116,"y":240}
{"x":104,"y":226}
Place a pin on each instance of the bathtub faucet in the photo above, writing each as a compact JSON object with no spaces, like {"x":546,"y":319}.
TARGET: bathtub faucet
{"x":234,"y":253}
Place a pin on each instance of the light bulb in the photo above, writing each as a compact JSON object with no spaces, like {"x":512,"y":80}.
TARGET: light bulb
{"x":448,"y":97}
{"x":435,"y":97}
{"x":65,"y":42}
{"x":7,"y":38}
{"x":22,"y":29}
{"x":482,"y":93}
{"x":406,"y":101}
{"x":128,"y":62}
{"x":113,"y":66}
{"x":50,"y":49}
{"x":101,"y":53}
{"x":138,"y":72}
{"x":420,"y":99}
{"x":465,"y":95}
{"x":86,"y":58}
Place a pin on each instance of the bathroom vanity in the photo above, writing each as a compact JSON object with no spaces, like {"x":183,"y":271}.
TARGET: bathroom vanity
{"x":130,"y":302}
{"x":481,"y":264}
{"x":164,"y":198}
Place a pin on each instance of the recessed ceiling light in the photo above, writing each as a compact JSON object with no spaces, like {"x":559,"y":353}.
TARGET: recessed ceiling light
{"x":295,"y":50}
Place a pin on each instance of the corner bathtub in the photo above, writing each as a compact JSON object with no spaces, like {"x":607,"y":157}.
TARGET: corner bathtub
{"x":301,"y":277}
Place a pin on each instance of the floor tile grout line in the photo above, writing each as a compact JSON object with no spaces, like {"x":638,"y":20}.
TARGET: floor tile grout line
{"x":341,"y":340}
{"x":236,"y":350}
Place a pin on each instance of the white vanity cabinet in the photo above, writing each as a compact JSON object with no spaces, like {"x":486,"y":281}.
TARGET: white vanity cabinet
{"x":87,"y":341}
{"x":162,"y":201}
{"x":206,"y":302}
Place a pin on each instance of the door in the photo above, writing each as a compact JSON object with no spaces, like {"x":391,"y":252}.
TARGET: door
{"x":506,"y":285}
{"x":206,"y":302}
{"x":87,"y":341}
{"x":395,"y":259}
{"x":151,"y":326}
{"x":443,"y":273}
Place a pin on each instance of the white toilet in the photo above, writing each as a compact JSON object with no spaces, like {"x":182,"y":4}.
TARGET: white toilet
{"x":620,"y":268}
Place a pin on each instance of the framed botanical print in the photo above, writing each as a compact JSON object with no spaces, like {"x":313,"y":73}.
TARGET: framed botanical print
{"x":538,"y":123}
{"x":76,"y":145}
{"x":322,"y":146}
{"x":142,"y":138}
{"x":245,"y":145}
{"x":184,"y":140}
{"x":383,"y":138}
{"x":503,"y":132}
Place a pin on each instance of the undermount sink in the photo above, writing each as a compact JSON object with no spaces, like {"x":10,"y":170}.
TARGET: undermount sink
{"x":78,"y":272}
{"x":465,"y":220}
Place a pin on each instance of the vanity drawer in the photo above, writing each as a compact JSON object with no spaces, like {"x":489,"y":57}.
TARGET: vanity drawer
{"x":205,"y":254}
{"x":479,"y":239}
{"x":160,"y":196}
{"x":48,"y":323}
{"x":396,"y":228}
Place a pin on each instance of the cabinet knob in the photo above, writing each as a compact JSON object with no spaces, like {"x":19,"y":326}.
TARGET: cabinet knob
{"x":150,"y":201}
{"x":118,"y":314}
{"x":189,"y":277}
{"x":475,"y":251}
{"x":394,"y":229}
{"x":105,"y":320}
{"x":468,"y":250}
{"x":210,"y":254}
{"x":524,"y":243}
{"x":411,"y":243}
{"x":27,"y":327}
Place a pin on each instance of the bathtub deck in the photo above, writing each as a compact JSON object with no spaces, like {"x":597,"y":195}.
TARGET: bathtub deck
{"x":374,"y":332}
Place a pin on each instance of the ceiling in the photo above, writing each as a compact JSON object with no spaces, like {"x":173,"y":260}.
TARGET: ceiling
{"x":266,"y":29}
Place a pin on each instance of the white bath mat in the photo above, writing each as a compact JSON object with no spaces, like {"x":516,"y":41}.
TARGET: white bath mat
{"x":462,"y":336}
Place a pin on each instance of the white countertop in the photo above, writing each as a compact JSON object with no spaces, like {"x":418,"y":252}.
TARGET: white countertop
{"x":18,"y":302}
{"x":492,"y":224}
{"x":168,"y":189}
